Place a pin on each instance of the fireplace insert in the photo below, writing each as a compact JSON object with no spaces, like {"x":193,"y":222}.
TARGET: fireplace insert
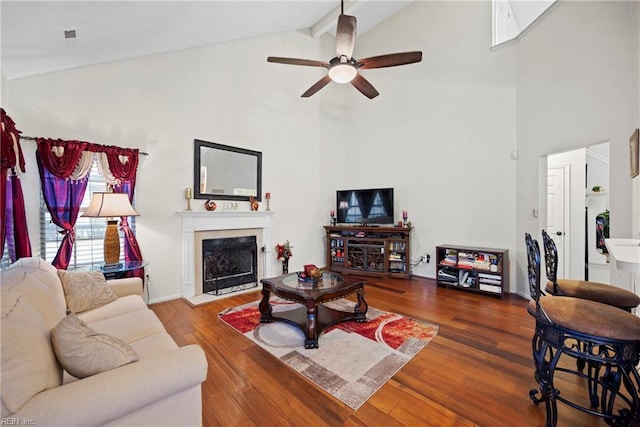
{"x":229,"y":264}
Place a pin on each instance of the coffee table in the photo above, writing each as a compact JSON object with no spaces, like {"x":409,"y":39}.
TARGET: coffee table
{"x":314,"y":317}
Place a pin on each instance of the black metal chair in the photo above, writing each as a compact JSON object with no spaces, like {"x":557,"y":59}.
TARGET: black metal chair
{"x":607,"y":338}
{"x":594,"y":291}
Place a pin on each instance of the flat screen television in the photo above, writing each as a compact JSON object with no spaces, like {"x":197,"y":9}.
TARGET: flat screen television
{"x":372,"y":206}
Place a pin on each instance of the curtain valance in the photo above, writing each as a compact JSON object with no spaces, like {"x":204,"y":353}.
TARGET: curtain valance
{"x":72,"y":159}
{"x":60,"y":157}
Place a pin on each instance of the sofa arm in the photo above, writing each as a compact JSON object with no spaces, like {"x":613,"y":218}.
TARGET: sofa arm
{"x":126,"y":286}
{"x":110,"y":395}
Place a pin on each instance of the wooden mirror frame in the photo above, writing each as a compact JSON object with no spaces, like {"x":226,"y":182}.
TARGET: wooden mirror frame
{"x":199,"y":145}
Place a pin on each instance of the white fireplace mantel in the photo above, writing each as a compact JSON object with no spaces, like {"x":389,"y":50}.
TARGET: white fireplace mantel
{"x":195,"y":221}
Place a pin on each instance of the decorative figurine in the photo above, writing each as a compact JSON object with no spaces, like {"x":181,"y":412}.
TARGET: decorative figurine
{"x":210,"y":205}
{"x":254,"y":203}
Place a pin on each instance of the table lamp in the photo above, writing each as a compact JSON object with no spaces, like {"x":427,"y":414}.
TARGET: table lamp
{"x":110,"y":206}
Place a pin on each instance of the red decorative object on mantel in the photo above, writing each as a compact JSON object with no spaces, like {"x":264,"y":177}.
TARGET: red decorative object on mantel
{"x":210,"y":205}
{"x":254,"y":203}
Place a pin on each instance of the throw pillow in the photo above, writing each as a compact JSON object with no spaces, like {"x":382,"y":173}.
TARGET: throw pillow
{"x":85,"y":290}
{"x":84,"y":352}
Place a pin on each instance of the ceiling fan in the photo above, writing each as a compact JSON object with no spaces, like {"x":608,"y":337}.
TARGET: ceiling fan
{"x":343,"y":68}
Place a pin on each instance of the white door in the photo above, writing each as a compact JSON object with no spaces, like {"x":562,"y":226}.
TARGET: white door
{"x":558,"y":211}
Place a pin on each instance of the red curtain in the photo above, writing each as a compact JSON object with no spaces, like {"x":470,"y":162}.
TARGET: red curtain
{"x":126,"y":174}
{"x":62,"y":196}
{"x":57,"y":160}
{"x":13,"y":220}
{"x":3,"y":210}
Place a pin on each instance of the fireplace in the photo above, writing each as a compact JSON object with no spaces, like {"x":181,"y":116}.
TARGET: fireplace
{"x":201,"y":225}
{"x":229,"y":264}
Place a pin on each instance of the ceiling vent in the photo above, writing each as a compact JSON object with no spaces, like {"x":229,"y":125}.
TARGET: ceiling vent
{"x":70,"y":34}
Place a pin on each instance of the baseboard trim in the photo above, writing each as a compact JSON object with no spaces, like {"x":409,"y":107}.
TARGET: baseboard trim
{"x":163,"y":299}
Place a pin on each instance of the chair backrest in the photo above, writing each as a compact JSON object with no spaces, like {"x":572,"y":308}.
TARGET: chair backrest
{"x":550,"y":259}
{"x":533,"y":266}
{"x":533,"y":273}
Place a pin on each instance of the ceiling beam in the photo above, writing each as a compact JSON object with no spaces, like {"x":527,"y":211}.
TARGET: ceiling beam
{"x":330,"y":20}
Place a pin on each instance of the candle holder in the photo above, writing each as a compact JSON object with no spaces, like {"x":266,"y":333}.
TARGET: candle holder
{"x":188,"y":197}
{"x":267,"y":197}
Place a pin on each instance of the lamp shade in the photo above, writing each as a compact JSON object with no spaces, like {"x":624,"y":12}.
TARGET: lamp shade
{"x":104,"y":205}
{"x":343,"y":73}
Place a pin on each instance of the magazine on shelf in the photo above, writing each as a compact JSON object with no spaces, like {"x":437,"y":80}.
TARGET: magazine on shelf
{"x":448,"y":275}
{"x":491,"y":281}
{"x":490,"y":288}
{"x":467,"y":279}
{"x":465,"y":259}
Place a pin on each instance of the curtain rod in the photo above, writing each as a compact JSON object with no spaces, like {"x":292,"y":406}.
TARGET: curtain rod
{"x":33,"y":138}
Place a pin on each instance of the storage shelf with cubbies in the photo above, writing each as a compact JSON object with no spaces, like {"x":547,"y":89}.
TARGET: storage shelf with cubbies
{"x":474,"y":269}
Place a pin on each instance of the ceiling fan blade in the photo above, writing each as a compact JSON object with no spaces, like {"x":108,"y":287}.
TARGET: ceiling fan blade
{"x":296,"y":61}
{"x":345,"y":36}
{"x":390,"y":60}
{"x":364,"y":86}
{"x":317,"y":86}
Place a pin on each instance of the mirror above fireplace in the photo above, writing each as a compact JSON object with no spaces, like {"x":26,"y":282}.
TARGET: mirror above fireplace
{"x":226,"y":173}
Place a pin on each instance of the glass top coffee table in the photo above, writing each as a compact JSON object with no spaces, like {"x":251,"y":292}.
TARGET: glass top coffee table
{"x":314,"y":317}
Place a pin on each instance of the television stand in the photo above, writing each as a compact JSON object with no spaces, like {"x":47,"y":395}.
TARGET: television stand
{"x":372,"y":250}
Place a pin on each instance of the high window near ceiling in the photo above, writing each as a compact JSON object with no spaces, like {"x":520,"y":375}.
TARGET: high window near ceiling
{"x":512,"y":17}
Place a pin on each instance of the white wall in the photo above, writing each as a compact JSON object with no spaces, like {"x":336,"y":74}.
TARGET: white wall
{"x":225,"y":93}
{"x":576,"y":87}
{"x":635,"y":43}
{"x":441,"y":131}
{"x":3,"y":90}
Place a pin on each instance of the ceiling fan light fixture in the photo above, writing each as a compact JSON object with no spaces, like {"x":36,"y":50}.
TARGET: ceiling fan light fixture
{"x":342,"y":73}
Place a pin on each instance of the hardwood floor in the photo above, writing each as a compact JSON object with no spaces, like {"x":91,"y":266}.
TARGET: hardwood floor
{"x":476,"y":372}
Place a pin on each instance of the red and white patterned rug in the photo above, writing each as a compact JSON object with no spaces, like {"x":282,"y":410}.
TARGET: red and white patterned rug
{"x":353,"y":359}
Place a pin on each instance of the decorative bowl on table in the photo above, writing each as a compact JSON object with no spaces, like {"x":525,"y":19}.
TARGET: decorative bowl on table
{"x":302,"y":277}
{"x":311,"y":274}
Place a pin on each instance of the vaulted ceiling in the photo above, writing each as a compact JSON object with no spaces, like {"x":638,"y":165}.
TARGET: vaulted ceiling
{"x":33,"y":33}
{"x":36,"y":35}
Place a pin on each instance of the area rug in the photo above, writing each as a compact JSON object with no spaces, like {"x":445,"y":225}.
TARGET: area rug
{"x":353,"y":359}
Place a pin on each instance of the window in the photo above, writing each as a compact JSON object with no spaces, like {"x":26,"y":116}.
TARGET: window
{"x":89,"y":246}
{"x":511,"y":18}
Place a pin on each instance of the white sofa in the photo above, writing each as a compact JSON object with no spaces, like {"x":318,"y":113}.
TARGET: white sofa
{"x":161,"y":388}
